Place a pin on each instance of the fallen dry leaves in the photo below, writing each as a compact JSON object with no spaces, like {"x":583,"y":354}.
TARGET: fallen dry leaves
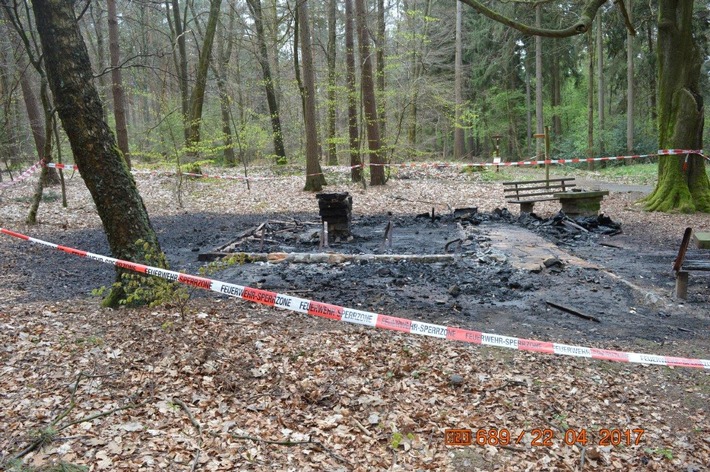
{"x":270,"y":389}
{"x":232,"y":386}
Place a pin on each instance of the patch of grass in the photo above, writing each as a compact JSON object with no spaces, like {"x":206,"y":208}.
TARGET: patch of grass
{"x":638,"y":173}
{"x":47,"y":197}
{"x":661,"y":451}
{"x":490,"y":175}
{"x":18,"y":466}
{"x":90,"y":341}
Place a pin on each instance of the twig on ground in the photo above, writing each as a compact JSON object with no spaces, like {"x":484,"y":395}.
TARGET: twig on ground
{"x":197,"y":426}
{"x":292,"y":444}
{"x":573,"y":312}
{"x":510,"y":383}
{"x":192,"y":419}
{"x":361,"y":427}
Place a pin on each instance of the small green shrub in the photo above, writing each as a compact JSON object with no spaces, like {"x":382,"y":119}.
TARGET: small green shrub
{"x":151,"y":290}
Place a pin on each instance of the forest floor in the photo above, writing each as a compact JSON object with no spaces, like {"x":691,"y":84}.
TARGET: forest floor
{"x":222,"y":384}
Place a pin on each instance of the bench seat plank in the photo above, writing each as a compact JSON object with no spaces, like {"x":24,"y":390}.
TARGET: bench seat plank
{"x":564,"y":179}
{"x":533,"y":200}
{"x":542,"y":187}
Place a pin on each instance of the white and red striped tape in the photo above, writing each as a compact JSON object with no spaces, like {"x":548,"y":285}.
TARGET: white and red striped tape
{"x":669,"y":152}
{"x":22,"y":176}
{"x":350,"y":315}
{"x":404,"y":165}
{"x":661,"y":152}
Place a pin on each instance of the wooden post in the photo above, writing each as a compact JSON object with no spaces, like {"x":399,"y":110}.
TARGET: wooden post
{"x":681,"y":284}
{"x":496,"y":157}
{"x":547,"y":155}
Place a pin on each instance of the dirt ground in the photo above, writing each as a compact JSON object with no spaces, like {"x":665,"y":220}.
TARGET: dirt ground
{"x":208,"y":387}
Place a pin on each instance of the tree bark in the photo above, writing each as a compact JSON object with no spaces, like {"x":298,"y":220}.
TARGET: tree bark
{"x":181,"y":61}
{"x":459,"y":144}
{"x":119,"y":205}
{"x":377,"y":170}
{"x":197,"y":98}
{"x":590,"y":99}
{"x":630,"y":87}
{"x":331,"y":140}
{"x":528,"y":101}
{"x":680,"y":187}
{"x":380,"y":53}
{"x":538,"y":84}
{"x":119,"y":99}
{"x":353,"y":134}
{"x":652,"y":78}
{"x":556,"y":95}
{"x":314,"y":175}
{"x":600,"y":85}
{"x":222,"y":74}
{"x":34,"y":115}
{"x":97,"y":17}
{"x":581,"y":25}
{"x":256,"y":11}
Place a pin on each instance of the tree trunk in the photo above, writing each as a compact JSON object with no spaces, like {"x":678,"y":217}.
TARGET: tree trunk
{"x":353,"y":134}
{"x":256,"y":11}
{"x":314,"y":175}
{"x":119,"y":99}
{"x":556,"y":96}
{"x":590,"y":99}
{"x":538,"y":84}
{"x":600,"y":85}
{"x":331,"y":140}
{"x":271,"y":23}
{"x":630,"y":85}
{"x":380,"y":53}
{"x":119,"y":205}
{"x":197,"y":98}
{"x":377,"y":170}
{"x":34,"y":115}
{"x":652,"y":78}
{"x":224,"y":55}
{"x":181,"y":65}
{"x":100,"y":50}
{"x":459,"y":144}
{"x":680,"y":187}
{"x":528,"y":101}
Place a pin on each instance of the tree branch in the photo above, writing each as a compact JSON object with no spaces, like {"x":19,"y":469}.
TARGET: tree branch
{"x":582,"y":25}
{"x":293,"y":443}
{"x":625,"y":14}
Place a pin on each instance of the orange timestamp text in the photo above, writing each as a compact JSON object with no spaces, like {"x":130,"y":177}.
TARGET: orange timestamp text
{"x":543,"y":437}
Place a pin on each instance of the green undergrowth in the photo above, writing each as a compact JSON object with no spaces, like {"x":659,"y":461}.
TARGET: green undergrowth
{"x":136,"y":289}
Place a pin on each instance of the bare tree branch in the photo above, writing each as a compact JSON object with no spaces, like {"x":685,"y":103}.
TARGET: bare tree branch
{"x":587,"y":14}
{"x":625,"y":14}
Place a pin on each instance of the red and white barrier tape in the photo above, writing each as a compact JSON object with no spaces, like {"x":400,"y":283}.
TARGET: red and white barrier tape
{"x":62,"y":166}
{"x":517,"y":163}
{"x":349,"y":315}
{"x":670,"y":152}
{"x":22,"y":176}
{"x":438,"y":165}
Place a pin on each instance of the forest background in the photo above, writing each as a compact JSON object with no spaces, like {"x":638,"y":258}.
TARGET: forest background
{"x":597,"y":91}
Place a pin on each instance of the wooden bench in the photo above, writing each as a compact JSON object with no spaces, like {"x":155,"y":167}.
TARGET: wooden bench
{"x":681,"y":265}
{"x":526,"y":193}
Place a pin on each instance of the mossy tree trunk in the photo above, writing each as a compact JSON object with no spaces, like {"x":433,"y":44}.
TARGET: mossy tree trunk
{"x":101,"y":165}
{"x":680,"y":187}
